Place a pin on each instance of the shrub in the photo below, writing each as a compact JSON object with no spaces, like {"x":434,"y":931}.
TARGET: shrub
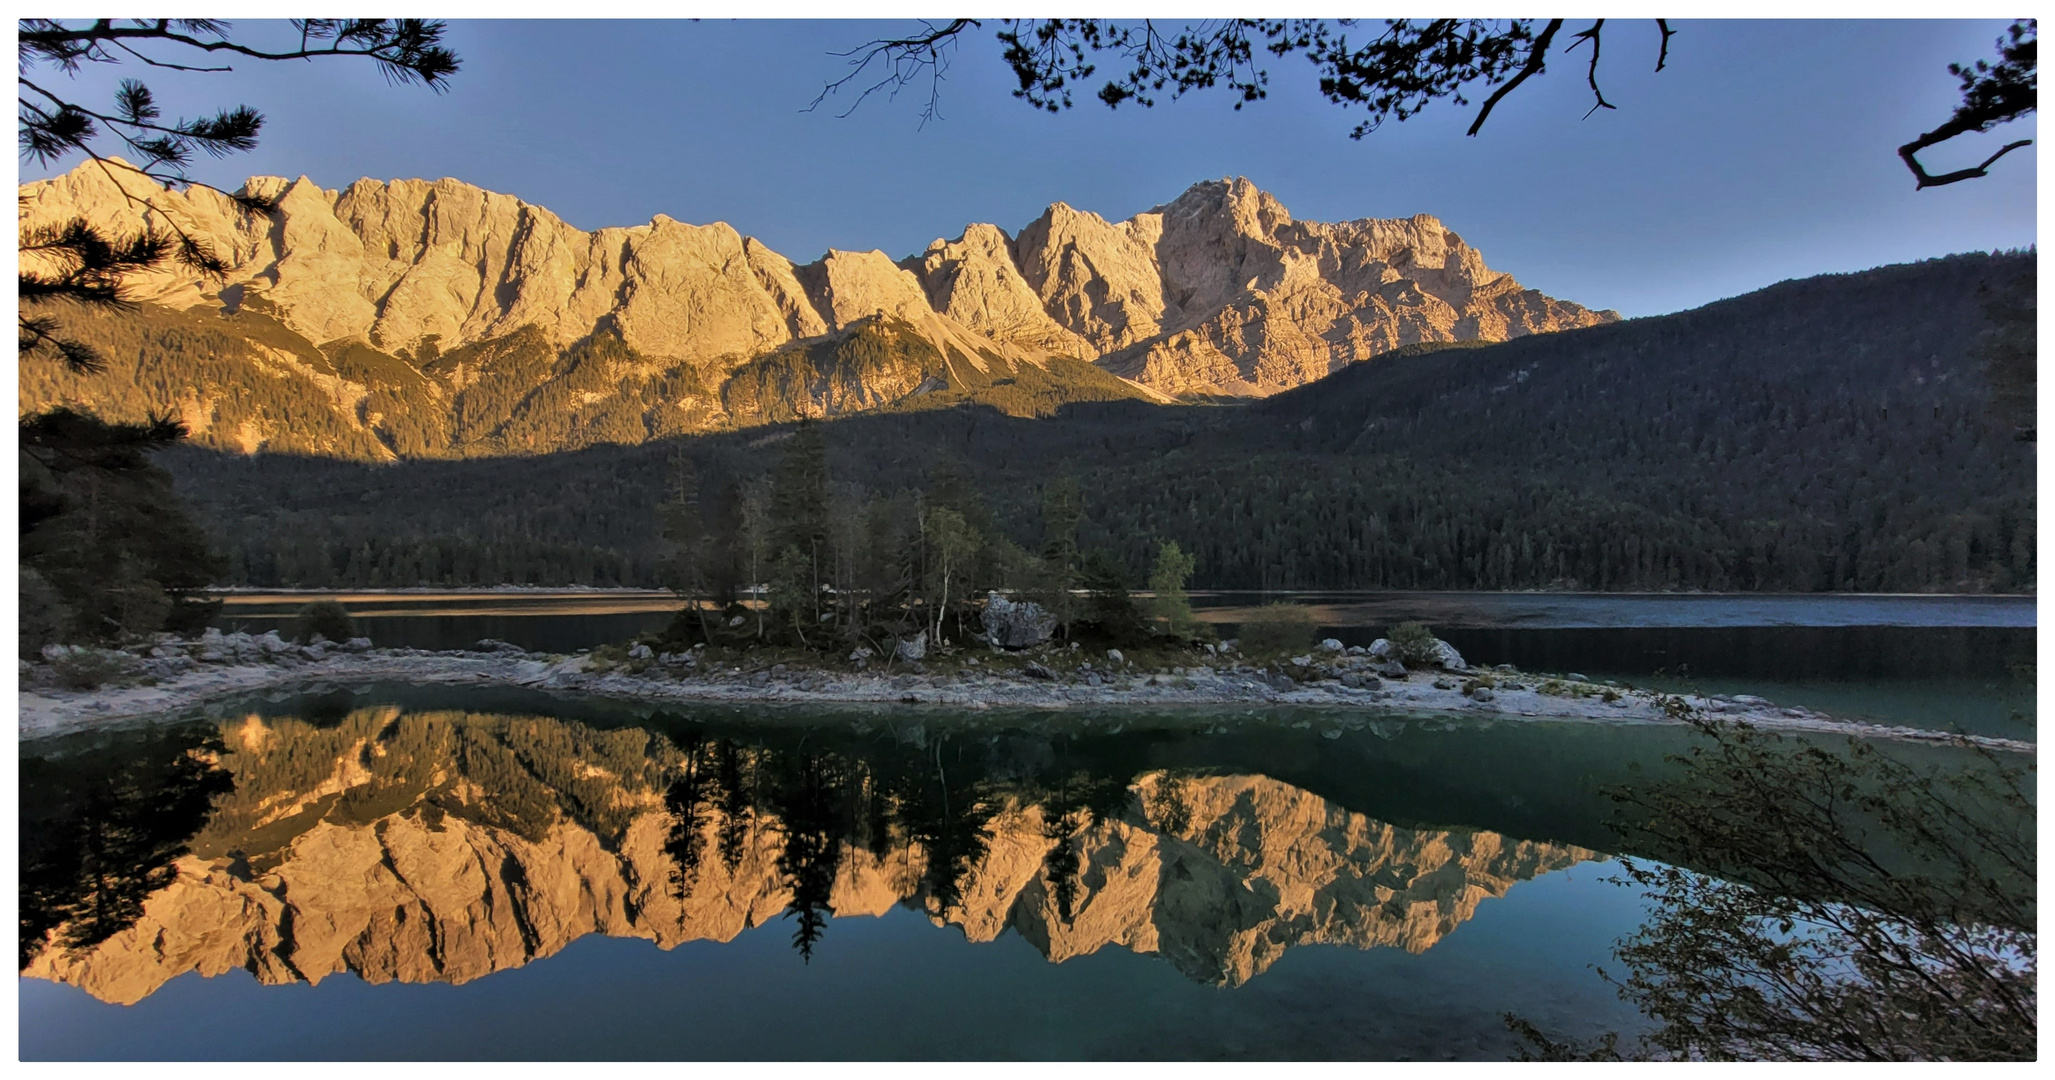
{"x":326,"y":618}
{"x":1415,"y":643}
{"x":1278,"y":628}
{"x":89,"y":669}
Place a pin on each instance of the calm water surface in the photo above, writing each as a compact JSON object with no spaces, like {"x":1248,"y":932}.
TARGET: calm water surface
{"x":398,"y":872}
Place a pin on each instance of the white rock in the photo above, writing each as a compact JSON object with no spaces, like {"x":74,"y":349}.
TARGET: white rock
{"x":1383,"y":649}
{"x":861,"y":652}
{"x":1016,"y":624}
{"x":641,"y":652}
{"x":913,"y":648}
{"x":1302,"y":661}
{"x":1331,"y":645}
{"x":1116,"y":656}
{"x":271,"y":643}
{"x":1446,"y":655}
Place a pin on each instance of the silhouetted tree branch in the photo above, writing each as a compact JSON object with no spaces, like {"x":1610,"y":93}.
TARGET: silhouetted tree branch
{"x":76,"y":262}
{"x":1991,"y":95}
{"x":1393,"y":75}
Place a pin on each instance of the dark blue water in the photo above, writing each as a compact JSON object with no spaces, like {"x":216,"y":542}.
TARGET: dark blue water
{"x":407,"y":873}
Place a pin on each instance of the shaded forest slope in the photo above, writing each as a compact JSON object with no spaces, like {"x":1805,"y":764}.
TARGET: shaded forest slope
{"x":1825,"y":434}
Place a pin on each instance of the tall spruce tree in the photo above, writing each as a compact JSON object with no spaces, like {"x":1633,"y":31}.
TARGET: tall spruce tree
{"x":799,"y":518}
{"x":1063,"y":509}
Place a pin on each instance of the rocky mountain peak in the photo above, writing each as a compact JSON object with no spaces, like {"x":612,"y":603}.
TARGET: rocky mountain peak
{"x":1217,"y":292}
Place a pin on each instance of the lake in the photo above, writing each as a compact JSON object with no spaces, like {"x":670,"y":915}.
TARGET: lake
{"x":399,"y":872}
{"x":1941,"y":662}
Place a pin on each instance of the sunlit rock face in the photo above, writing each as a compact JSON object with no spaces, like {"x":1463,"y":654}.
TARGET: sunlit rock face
{"x":442,"y":847}
{"x":1217,"y":292}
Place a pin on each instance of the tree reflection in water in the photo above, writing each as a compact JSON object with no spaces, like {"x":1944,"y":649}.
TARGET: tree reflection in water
{"x":96,"y":843}
{"x":1827,"y":903}
{"x":447,"y":845}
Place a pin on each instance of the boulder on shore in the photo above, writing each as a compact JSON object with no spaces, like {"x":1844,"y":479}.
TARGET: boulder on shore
{"x":913,"y":648}
{"x":1016,"y":624}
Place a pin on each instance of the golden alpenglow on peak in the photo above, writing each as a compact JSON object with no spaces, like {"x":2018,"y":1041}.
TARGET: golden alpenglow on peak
{"x":446,"y":846}
{"x":1216,"y":293}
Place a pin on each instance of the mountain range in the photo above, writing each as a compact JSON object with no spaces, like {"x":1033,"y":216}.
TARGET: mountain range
{"x":442,"y":846}
{"x":1832,"y":433}
{"x":413,"y":318}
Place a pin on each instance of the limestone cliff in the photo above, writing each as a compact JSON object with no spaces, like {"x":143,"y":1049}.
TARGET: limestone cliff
{"x":444,"y":847}
{"x":1219,"y":292}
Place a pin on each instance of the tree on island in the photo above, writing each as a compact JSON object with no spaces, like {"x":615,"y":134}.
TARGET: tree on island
{"x":1168,"y":604}
{"x":1394,"y":74}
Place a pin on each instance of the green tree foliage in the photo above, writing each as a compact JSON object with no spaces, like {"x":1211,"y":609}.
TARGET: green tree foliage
{"x":951,"y":548}
{"x":689,"y":543}
{"x":1414,"y":642}
{"x":325,"y":618}
{"x":1063,"y":509}
{"x":1108,"y":607}
{"x":102,"y":528}
{"x":1169,"y":606}
{"x":799,"y":527}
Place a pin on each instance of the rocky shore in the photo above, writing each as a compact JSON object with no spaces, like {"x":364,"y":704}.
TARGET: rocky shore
{"x":73,"y":689}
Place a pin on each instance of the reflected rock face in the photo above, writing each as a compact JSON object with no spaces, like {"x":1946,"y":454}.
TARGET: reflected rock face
{"x":441,"y":847}
{"x":1220,"y":875}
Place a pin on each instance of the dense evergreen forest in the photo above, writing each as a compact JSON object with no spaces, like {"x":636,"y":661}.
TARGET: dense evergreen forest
{"x":1833,"y":433}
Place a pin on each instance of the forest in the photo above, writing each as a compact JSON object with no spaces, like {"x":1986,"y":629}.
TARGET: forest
{"x":1834,"y":433}
{"x":244,"y":382}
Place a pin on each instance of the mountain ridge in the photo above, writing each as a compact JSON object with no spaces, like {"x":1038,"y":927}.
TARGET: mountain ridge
{"x":1217,"y":293}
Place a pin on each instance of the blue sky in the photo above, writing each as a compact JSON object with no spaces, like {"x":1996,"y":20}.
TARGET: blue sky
{"x":1765,"y":151}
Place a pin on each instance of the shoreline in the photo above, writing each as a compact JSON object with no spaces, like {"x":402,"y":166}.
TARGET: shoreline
{"x":254,"y":665}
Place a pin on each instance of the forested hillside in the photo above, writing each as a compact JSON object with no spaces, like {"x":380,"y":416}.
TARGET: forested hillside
{"x":243,"y":381}
{"x":1826,"y":434}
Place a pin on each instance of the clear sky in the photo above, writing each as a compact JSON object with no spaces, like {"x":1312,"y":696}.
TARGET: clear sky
{"x":1765,"y":151}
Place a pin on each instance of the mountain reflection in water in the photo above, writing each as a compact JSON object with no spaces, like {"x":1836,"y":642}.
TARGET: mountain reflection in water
{"x":445,"y":846}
